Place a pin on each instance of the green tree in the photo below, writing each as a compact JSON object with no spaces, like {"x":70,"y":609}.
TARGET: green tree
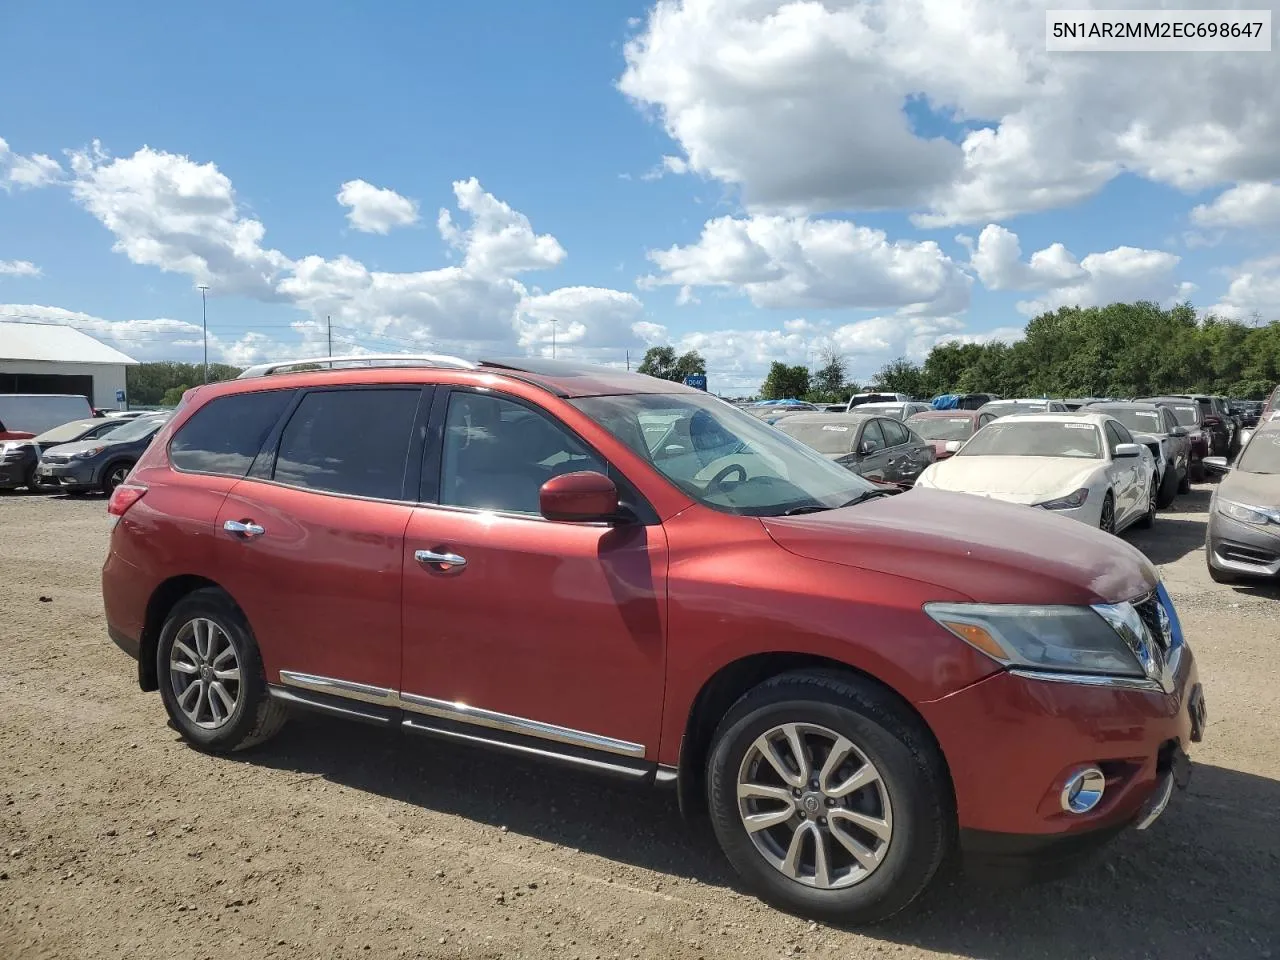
{"x":147,"y":383}
{"x":663,"y":363}
{"x":785,"y":382}
{"x":830,"y":382}
{"x":173,"y":396}
{"x":901,"y":376}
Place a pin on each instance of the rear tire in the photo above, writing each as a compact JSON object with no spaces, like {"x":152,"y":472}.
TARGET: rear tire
{"x":192,"y":662}
{"x":1168,"y":489}
{"x":904,"y":796}
{"x":1197,"y":471}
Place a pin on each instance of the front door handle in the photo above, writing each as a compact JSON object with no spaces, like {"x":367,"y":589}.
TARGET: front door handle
{"x":248,"y":529}
{"x":445,"y":560}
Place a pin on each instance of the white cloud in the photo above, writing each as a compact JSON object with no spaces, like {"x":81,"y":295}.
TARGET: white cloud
{"x":1254,"y":289}
{"x":373,"y":209}
{"x":587,"y":317}
{"x":997,"y":259}
{"x":1244,"y":205}
{"x":170,"y":212}
{"x":501,"y":241}
{"x":18,"y":268}
{"x":806,"y":105}
{"x":1122,"y":275}
{"x":801,"y":263}
{"x":19,"y":171}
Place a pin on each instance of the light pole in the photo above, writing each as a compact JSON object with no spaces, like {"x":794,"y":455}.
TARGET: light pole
{"x":553,"y":339}
{"x":204,"y":323}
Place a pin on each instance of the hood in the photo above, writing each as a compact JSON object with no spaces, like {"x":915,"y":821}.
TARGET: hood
{"x":76,"y":446}
{"x":1258,"y":489}
{"x":989,"y":551}
{"x":1015,"y":479}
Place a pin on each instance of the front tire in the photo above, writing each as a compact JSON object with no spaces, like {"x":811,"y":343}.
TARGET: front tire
{"x":1168,"y":488}
{"x":1107,"y":519}
{"x":211,"y":677}
{"x":829,"y":798}
{"x":1148,"y":519}
{"x":1184,"y":485}
{"x":114,"y":475}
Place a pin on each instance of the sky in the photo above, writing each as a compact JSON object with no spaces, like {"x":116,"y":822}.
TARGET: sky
{"x":759,"y":180}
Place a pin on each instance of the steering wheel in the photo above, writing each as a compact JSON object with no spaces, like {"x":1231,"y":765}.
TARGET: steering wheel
{"x":723,"y":474}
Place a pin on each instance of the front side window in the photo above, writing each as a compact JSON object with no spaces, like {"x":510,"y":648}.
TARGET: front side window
{"x":354,"y":442}
{"x":895,"y":434}
{"x":872,"y":438}
{"x":723,"y":458}
{"x":1035,"y":438}
{"x":498,"y":453}
{"x":225,"y":434}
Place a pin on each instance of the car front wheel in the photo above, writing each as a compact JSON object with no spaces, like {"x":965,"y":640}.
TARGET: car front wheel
{"x":1107,"y":520}
{"x":829,"y":798}
{"x":114,"y":475}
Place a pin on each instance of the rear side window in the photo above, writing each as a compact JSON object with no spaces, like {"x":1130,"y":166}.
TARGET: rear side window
{"x":350,"y":441}
{"x":225,"y":434}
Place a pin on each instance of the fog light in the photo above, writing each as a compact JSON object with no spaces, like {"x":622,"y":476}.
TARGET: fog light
{"x":1083,"y":790}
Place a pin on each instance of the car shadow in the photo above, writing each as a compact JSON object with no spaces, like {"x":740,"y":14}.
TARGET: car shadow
{"x":1212,"y":861}
{"x":1179,"y":528}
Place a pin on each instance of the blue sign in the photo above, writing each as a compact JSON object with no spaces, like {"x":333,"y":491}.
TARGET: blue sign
{"x":119,"y":396}
{"x":696,"y":380}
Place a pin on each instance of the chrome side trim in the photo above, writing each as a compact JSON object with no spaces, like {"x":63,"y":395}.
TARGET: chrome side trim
{"x":511,"y":724}
{"x":665,"y":775}
{"x":340,"y":688}
{"x":1091,"y":680}
{"x":1240,"y":566}
{"x":634,"y":772}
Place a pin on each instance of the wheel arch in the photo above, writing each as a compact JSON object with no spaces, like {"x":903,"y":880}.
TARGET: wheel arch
{"x":734,"y":679}
{"x":163,"y":599}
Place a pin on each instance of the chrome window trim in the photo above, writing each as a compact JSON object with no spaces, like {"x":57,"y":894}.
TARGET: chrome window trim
{"x":1091,"y":680}
{"x":461,"y":712}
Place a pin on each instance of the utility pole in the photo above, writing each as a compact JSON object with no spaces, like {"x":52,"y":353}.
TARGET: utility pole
{"x":329,"y":323}
{"x":553,"y":339}
{"x":204,"y":323}
{"x":628,"y":361}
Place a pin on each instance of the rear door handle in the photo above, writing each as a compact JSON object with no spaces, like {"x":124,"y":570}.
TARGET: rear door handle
{"x":446,"y":560}
{"x":247,"y":529}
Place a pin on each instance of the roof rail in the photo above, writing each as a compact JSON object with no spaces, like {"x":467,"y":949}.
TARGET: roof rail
{"x":367,"y":359}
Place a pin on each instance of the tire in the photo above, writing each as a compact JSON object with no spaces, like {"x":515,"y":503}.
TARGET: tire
{"x":1196,"y":471}
{"x":1148,"y":519}
{"x":1184,"y":485}
{"x":1107,"y":518}
{"x":911,"y":798}
{"x":29,"y":481}
{"x":114,"y":475}
{"x":253,"y":716}
{"x":1168,"y":489}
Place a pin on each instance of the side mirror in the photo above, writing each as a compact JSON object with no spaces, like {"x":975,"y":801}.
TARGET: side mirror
{"x":1127,"y":450}
{"x":866,"y":447}
{"x":585,"y":497}
{"x":1217,"y":465}
{"x":1178,"y":432}
{"x":953,"y":446}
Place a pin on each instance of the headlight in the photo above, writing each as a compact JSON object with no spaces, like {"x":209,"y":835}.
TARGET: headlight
{"x":1069,"y":502}
{"x":13,"y":446}
{"x":1248,"y":514}
{"x":1061,"y":638}
{"x":87,"y":454}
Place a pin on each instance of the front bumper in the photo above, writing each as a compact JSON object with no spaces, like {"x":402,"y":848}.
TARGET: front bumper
{"x":75,"y":475}
{"x":1243,"y":549}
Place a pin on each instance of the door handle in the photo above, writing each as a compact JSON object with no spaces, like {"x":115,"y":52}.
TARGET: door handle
{"x":446,"y":560}
{"x":248,"y":529}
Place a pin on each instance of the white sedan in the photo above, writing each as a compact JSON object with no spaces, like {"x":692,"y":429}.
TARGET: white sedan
{"x":1080,"y":465}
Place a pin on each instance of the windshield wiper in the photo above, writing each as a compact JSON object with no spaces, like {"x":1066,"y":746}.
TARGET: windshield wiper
{"x":819,"y":508}
{"x":869,"y":495}
{"x":807,"y":508}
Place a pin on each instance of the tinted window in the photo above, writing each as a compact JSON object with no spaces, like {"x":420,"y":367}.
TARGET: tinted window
{"x":1168,"y":419}
{"x":871,"y":434}
{"x":349,"y":441}
{"x":226,"y":433}
{"x":894,"y":432}
{"x":498,"y":454}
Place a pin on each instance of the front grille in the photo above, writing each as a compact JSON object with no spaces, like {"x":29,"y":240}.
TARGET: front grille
{"x":1231,"y":551}
{"x":1149,"y":610}
{"x":55,"y":458}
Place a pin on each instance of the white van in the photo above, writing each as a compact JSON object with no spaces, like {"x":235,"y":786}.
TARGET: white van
{"x":23,"y":415}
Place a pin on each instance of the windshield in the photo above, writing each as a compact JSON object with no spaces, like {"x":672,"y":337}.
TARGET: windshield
{"x":1035,"y":438}
{"x":722,"y":457}
{"x":1188,"y":416}
{"x":1140,"y":421}
{"x":137,"y":429}
{"x":1004,"y":408}
{"x":67,"y":432}
{"x":1261,"y":454}
{"x":833,"y":438}
{"x":942,"y":428}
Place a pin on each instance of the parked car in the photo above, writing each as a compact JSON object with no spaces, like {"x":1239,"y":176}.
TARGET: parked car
{"x":1085,"y":466}
{"x":1005,"y":408}
{"x":20,"y":458}
{"x":23,"y":415}
{"x":893,"y":408}
{"x":1243,"y":539}
{"x":771,"y":411}
{"x":962,"y":401}
{"x":101,"y":463}
{"x":1190,"y":415}
{"x":854,"y":684}
{"x":1271,"y":407}
{"x":1217,"y":422}
{"x":876,"y":447}
{"x":1158,"y":429}
{"x":1075,"y":403}
{"x":127,"y":414}
{"x":858,"y":399}
{"x":947,"y":430}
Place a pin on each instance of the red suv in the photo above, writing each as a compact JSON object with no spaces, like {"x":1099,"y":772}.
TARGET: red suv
{"x":632,"y":576}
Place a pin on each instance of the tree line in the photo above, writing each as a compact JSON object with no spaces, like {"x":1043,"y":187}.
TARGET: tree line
{"x":163,"y":384}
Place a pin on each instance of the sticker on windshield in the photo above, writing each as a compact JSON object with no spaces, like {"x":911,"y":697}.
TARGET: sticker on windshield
{"x":836,"y":427}
{"x":958,"y":420}
{"x":1078,"y":426}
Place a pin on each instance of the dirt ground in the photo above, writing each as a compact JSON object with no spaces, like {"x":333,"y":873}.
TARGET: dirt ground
{"x":337,"y":841}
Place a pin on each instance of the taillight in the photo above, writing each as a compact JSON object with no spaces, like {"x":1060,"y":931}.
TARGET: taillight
{"x":124,"y":497}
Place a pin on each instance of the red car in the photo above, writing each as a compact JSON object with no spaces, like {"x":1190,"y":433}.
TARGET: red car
{"x":947,"y":429}
{"x":631,"y":576}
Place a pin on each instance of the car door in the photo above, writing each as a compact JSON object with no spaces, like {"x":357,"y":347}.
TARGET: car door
{"x":1179,"y":446}
{"x":540,"y":635}
{"x":1128,"y":475}
{"x":311,"y":542}
{"x":900,"y":465}
{"x":872,"y":459}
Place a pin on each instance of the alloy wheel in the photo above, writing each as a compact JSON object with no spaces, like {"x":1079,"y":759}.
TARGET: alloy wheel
{"x":1108,"y":522}
{"x":204,"y":671}
{"x":117,"y":476}
{"x":815,"y":806}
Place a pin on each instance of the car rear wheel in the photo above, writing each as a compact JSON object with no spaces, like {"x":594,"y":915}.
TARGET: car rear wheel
{"x":829,"y":798}
{"x":115,"y":475}
{"x":211,"y":677}
{"x":1107,"y":521}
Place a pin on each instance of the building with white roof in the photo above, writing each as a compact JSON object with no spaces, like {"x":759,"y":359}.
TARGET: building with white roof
{"x":51,"y":358}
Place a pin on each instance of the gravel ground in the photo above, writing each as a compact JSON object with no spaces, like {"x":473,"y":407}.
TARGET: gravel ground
{"x":338,"y":841}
